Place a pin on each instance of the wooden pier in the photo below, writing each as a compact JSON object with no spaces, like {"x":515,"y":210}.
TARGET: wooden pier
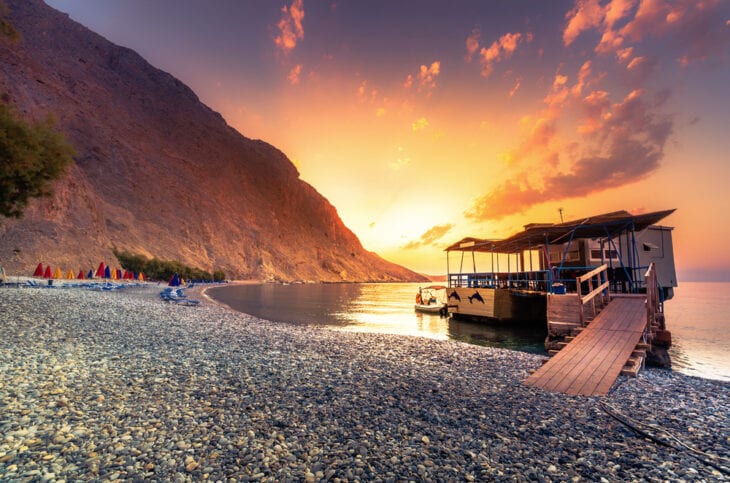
{"x":591,"y":362}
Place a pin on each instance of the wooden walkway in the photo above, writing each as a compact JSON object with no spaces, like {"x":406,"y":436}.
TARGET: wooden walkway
{"x":590,"y":363}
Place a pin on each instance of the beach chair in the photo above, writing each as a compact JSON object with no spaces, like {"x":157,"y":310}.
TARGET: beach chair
{"x":178,"y":297}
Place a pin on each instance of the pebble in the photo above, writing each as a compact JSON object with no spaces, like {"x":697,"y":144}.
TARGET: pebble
{"x":118,"y":385}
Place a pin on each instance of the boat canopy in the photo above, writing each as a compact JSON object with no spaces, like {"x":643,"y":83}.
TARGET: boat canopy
{"x":539,"y":234}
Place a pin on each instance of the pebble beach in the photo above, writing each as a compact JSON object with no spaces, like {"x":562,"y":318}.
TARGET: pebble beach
{"x":120,"y":385}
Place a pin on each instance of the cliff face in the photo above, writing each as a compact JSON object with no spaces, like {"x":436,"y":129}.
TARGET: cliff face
{"x":159,"y":173}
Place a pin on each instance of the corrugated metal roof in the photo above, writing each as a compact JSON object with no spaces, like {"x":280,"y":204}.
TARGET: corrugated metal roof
{"x":536,"y":234}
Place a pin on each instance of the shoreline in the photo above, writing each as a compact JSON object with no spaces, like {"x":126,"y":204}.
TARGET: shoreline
{"x":118,"y":384}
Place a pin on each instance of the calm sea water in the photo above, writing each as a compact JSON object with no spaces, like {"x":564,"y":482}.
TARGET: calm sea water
{"x":696,"y":317}
{"x":699,"y":318}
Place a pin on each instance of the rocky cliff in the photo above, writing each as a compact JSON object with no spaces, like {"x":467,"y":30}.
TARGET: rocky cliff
{"x":158,"y":173}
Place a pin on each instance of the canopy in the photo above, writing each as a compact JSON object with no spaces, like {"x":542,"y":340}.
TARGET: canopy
{"x":174,"y":281}
{"x":48,"y":273}
{"x":538,"y":234}
{"x":140,"y":277}
{"x":80,"y":276}
{"x":100,"y":271}
{"x":58,"y":273}
{"x":107,"y":272}
{"x":90,"y":274}
{"x":70,"y":274}
{"x":38,"y":270}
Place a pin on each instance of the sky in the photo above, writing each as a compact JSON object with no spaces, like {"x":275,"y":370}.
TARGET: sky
{"x":426,"y":121}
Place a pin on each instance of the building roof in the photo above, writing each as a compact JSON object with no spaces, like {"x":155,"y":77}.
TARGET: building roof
{"x":536,"y":234}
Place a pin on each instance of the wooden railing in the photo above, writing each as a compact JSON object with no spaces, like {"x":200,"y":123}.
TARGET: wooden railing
{"x":601,"y":288}
{"x":654,"y":306}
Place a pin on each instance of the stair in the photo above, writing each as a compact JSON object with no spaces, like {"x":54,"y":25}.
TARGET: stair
{"x":633,"y":366}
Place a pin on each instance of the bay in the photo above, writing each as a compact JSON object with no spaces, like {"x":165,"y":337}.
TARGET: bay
{"x":697,"y":316}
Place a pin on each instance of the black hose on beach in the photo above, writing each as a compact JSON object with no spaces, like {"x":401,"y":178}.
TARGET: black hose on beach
{"x":672,"y":441}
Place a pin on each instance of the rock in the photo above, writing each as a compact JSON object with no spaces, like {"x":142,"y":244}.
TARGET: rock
{"x":247,"y":211}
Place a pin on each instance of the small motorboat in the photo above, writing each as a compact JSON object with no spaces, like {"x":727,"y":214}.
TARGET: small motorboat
{"x":431,"y":300}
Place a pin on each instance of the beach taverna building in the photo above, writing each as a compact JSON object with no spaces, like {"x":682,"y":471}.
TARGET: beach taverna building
{"x":510,"y":279}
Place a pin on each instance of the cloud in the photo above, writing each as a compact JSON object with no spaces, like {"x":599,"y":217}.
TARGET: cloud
{"x":431,"y":236}
{"x":365,"y":93}
{"x":402,"y":161}
{"x":420,"y":124}
{"x":290,"y":27}
{"x":425,"y":79}
{"x":622,"y":144}
{"x":516,"y":87}
{"x":692,"y":30}
{"x":499,"y":50}
{"x":472,"y":44}
{"x":294,"y":74}
{"x":586,"y":14}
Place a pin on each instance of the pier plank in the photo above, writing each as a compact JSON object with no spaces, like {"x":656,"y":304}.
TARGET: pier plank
{"x":590,"y":364}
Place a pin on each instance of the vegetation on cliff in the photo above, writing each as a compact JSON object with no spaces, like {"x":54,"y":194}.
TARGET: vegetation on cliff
{"x":32,"y":155}
{"x":156,"y":269}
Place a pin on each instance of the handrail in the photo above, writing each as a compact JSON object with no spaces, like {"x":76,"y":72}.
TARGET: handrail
{"x":601,"y":273}
{"x":653,"y":303}
{"x":592,"y":273}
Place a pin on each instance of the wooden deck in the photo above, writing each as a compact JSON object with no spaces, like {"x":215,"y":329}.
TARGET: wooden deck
{"x":590,"y":364}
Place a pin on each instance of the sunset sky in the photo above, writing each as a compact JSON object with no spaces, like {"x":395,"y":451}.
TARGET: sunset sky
{"x":427,"y":121}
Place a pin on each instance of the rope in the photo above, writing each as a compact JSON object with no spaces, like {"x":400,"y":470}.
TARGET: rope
{"x":672,"y":441}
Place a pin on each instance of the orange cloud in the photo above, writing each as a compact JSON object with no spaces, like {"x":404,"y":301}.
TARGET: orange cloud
{"x":366,"y":93}
{"x":420,"y":124}
{"x":621,"y":143}
{"x":693,"y":30}
{"x":431,"y":236}
{"x":586,"y":14}
{"x":499,"y":50}
{"x":472,"y":44}
{"x":290,"y":27}
{"x":294,"y":74}
{"x":516,"y":87}
{"x":426,"y":77}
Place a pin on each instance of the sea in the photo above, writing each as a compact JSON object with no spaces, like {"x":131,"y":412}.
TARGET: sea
{"x":697,"y":317}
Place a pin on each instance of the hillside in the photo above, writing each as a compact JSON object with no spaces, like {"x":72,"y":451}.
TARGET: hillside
{"x":158,"y":173}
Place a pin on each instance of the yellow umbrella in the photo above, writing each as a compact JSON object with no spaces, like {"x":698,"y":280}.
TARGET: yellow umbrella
{"x":140,"y":277}
{"x":70,"y":275}
{"x":58,"y":273}
{"x":114,"y":274}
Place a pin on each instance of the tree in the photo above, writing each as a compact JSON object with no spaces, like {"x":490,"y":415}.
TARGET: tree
{"x":6,"y":29}
{"x":32,"y":155}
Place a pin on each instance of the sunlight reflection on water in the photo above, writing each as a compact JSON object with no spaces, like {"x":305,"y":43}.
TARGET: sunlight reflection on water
{"x":381,"y":308}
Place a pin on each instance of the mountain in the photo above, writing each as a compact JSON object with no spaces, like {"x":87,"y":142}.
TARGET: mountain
{"x":158,"y":173}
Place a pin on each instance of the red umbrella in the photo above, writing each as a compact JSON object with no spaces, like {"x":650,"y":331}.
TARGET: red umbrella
{"x":100,"y":270}
{"x":38,"y":270}
{"x":81,"y":275}
{"x":48,"y":273}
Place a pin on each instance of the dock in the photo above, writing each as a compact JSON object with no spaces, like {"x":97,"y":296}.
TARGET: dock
{"x":590,"y":363}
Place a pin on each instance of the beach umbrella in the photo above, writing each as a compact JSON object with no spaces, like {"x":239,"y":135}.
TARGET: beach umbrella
{"x":80,"y":276}
{"x":48,"y":273}
{"x":90,"y":275}
{"x":58,"y":273}
{"x":119,"y":274}
{"x":107,"y":273}
{"x":140,"y":277}
{"x":114,"y":274}
{"x":100,"y":270}
{"x":38,"y":270}
{"x":70,"y":274}
{"x":174,"y":281}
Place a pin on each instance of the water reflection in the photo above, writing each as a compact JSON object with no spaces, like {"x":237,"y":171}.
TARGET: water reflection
{"x":381,"y":308}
